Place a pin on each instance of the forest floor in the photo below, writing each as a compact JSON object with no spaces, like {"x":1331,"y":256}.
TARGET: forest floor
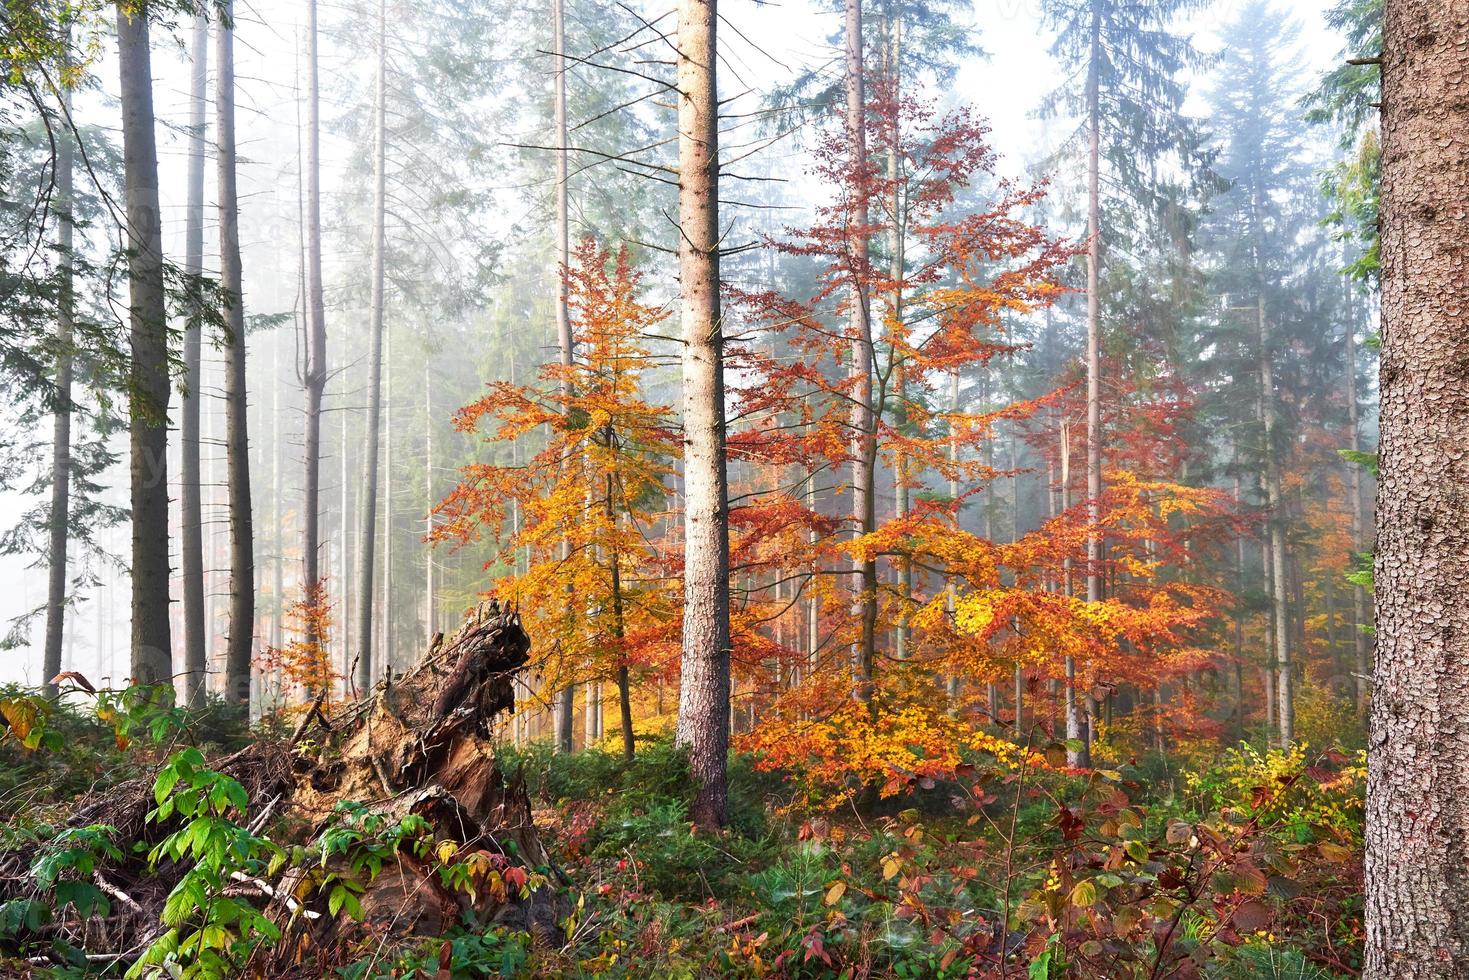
{"x":1235,"y":864}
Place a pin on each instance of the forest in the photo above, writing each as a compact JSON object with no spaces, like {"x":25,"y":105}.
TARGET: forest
{"x":680,"y":489}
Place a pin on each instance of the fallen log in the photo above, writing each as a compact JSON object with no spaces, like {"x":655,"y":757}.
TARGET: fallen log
{"x":418,"y":746}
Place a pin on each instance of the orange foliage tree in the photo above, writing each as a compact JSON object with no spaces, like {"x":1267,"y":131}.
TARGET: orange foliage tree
{"x":598,"y":482}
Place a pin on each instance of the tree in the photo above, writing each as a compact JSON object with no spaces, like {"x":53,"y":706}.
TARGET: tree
{"x":315,"y":375}
{"x":703,"y":696}
{"x":1125,"y":89}
{"x":240,"y":643}
{"x":608,"y":442}
{"x":191,"y":513}
{"x":61,"y":461}
{"x":1258,"y":158}
{"x":565,"y":698}
{"x":1418,"y":771}
{"x":148,"y":374}
{"x":378,"y":276}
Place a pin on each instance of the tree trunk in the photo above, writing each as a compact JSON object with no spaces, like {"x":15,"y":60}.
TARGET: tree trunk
{"x":59,"y":519}
{"x":315,"y":377}
{"x":239,"y":647}
{"x":703,"y":697}
{"x":1361,"y":653}
{"x":901,"y":490}
{"x":152,"y":659}
{"x":366,"y":544}
{"x":863,"y":438}
{"x":954,"y":685}
{"x":1417,"y":866}
{"x":191,"y":516}
{"x":1094,"y":316}
{"x":566,"y":698}
{"x":1284,"y":684}
{"x":1079,"y":748}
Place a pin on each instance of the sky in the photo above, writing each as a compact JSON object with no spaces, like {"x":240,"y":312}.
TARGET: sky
{"x":1005,"y":87}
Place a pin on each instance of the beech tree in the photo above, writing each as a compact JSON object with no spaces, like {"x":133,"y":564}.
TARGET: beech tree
{"x":1418,"y":769}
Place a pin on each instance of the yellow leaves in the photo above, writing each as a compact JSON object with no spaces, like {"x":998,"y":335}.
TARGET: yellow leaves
{"x":25,"y":718}
{"x":1083,"y":894}
{"x":445,"y":851}
{"x":834,"y":893}
{"x":890,"y":867}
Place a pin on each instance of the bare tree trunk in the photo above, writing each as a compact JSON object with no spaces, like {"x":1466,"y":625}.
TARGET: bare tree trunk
{"x":430,"y":605}
{"x":1094,"y":316}
{"x":240,"y":645}
{"x":1361,"y":658}
{"x":1418,"y":765}
{"x":1078,"y":733}
{"x":955,"y":683}
{"x":191,"y":511}
{"x":896,"y":231}
{"x":566,"y":698}
{"x":152,"y":658}
{"x":863,"y":438}
{"x":366,"y":553}
{"x":1285,"y":712}
{"x":315,"y":377}
{"x":59,"y":519}
{"x":703,"y":697}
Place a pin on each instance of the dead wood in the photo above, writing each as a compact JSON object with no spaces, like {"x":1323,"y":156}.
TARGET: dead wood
{"x":419,"y":743}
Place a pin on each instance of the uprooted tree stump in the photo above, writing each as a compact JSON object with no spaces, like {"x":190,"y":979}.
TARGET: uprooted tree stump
{"x":418,"y":744}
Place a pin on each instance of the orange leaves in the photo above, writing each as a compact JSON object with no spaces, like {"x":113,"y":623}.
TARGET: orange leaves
{"x":583,"y":511}
{"x":905,"y":735}
{"x":305,"y":661}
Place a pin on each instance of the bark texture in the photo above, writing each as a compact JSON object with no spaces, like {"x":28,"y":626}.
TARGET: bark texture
{"x":1417,"y":864}
{"x":152,"y":659}
{"x":366,"y":548}
{"x":191,"y":510}
{"x":58,"y":531}
{"x":859,"y":317}
{"x":565,"y":698}
{"x":239,"y":646}
{"x":703,"y":697}
{"x":314,"y":378}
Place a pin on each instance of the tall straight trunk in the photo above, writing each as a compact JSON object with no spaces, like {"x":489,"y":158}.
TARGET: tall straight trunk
{"x":1078,"y":732}
{"x":1361,"y":653}
{"x":387,"y":637}
{"x":624,"y":685}
{"x":191,"y":516}
{"x":863,"y":437}
{"x":1239,"y":616}
{"x":1417,"y":836}
{"x":366,"y":554}
{"x":152,"y":658}
{"x":315,"y":377}
{"x":566,"y":698}
{"x":703,"y":695}
{"x":239,"y":645}
{"x":58,"y":520}
{"x":430,"y":605}
{"x":901,"y":491}
{"x":1284,"y":686}
{"x":1267,"y":571}
{"x":1094,"y":315}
